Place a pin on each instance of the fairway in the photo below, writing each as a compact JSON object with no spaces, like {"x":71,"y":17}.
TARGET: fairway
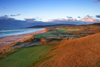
{"x":24,"y":57}
{"x":63,"y":30}
{"x":45,"y":35}
{"x":55,"y":34}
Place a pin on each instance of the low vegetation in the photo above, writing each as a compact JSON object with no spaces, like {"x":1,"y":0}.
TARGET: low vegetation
{"x":25,"y":56}
{"x":71,"y":46}
{"x":80,"y":52}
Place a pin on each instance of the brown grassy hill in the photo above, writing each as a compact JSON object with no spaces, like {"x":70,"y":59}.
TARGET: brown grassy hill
{"x":80,"y":52}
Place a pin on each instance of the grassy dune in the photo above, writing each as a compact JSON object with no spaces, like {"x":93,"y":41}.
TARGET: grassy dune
{"x":24,"y":57}
{"x":80,"y":52}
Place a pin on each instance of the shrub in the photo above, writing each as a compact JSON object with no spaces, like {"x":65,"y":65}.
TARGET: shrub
{"x":65,"y":38}
{"x":43,"y":41}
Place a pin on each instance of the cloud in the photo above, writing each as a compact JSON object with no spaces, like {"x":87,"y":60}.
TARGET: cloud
{"x":3,"y":17}
{"x":67,"y":21}
{"x":98,"y":16}
{"x":63,"y":20}
{"x":79,"y":17}
{"x":12,"y":15}
{"x":96,"y":0}
{"x":15,"y":15}
{"x":84,"y":20}
{"x":37,"y":17}
{"x":69,"y":17}
{"x":90,"y":19}
{"x":89,"y":16}
{"x":6,"y":16}
{"x":74,"y":19}
{"x":31,"y":20}
{"x":18,"y":14}
{"x":40,"y":19}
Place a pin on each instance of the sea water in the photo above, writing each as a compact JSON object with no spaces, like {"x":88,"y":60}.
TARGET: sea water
{"x":15,"y":32}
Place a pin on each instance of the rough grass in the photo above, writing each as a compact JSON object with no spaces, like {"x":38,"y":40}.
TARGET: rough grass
{"x":80,"y":52}
{"x":63,"y":29}
{"x":24,"y":57}
{"x":41,"y":60}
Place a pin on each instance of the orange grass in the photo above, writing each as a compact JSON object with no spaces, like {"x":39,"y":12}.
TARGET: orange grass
{"x":80,"y":52}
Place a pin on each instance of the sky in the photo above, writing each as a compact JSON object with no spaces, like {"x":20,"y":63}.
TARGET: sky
{"x":48,"y":10}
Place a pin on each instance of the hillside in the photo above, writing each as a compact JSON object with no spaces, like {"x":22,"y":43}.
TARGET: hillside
{"x":80,"y":52}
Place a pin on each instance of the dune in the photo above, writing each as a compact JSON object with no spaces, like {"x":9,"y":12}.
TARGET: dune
{"x":80,"y":52}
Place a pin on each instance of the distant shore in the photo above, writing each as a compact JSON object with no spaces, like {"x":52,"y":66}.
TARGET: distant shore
{"x":5,"y":41}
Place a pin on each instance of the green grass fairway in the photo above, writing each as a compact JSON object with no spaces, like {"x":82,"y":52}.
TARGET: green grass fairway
{"x":56,"y":34}
{"x":62,"y":30}
{"x":24,"y":57}
{"x":45,"y":35}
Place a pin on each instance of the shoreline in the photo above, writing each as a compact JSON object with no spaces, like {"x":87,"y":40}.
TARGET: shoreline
{"x":5,"y":41}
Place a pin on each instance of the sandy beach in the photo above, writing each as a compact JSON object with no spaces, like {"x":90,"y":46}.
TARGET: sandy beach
{"x":5,"y":41}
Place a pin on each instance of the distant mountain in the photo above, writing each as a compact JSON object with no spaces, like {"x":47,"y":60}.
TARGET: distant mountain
{"x":55,"y":25}
{"x":12,"y":23}
{"x":96,"y":24}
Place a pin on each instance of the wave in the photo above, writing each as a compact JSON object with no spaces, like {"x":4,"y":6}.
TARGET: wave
{"x":14,"y":32}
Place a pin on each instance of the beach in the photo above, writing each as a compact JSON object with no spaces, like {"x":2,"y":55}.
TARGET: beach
{"x":5,"y":41}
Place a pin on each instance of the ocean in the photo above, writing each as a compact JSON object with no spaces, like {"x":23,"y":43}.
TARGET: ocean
{"x":15,"y":32}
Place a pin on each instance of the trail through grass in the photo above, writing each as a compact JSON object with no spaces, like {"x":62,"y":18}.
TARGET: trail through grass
{"x":24,"y":57}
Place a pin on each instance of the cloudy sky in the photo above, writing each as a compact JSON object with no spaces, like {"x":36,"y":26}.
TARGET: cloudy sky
{"x":51,"y":10}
